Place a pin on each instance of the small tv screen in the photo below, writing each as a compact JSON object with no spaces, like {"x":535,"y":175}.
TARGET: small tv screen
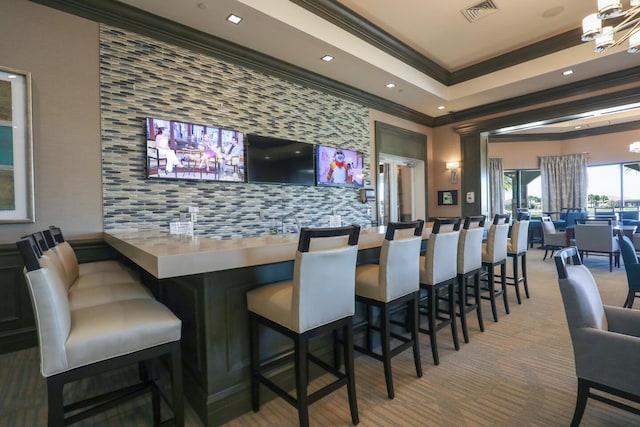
{"x":339,"y":167}
{"x":276,"y":160}
{"x":180,"y":150}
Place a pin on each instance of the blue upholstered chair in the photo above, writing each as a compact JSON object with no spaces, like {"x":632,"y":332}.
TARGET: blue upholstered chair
{"x":632,"y":267}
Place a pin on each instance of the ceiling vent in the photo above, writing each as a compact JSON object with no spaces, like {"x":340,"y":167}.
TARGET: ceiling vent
{"x":479,"y":10}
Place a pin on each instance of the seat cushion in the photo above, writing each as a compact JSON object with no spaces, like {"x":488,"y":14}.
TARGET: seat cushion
{"x":97,"y":295}
{"x":109,"y":330}
{"x":367,"y":283}
{"x":99,"y":266}
{"x":103,"y":278}
{"x":274,"y":302}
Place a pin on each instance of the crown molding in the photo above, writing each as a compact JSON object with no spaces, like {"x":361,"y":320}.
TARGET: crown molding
{"x":564,"y":136}
{"x":123,"y":16}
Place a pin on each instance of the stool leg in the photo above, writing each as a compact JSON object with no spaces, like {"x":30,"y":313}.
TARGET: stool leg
{"x":55,"y":385}
{"x":176,"y":386}
{"x":349,"y":370}
{"x":301,"y":372}
{"x":385,"y":336}
{"x":462,"y":306}
{"x":524,"y":274}
{"x":492,"y":292}
{"x":476,"y":288}
{"x":415,"y":321}
{"x":432,"y":307}
{"x":254,"y":342}
{"x":452,"y":314}
{"x":503,"y":277}
{"x":516,"y":278}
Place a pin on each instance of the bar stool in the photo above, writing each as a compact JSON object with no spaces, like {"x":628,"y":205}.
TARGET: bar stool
{"x":391,"y":286}
{"x":517,"y":248}
{"x":470,"y":265}
{"x":438,"y":271}
{"x":320,"y":299}
{"x":494,"y":253}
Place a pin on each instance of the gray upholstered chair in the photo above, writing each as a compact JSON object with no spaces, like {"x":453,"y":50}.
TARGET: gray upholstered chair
{"x":606,"y":339}
{"x":92,"y":288}
{"x":469,"y":264}
{"x":494,"y":253}
{"x":438,"y":273}
{"x":517,"y":246}
{"x":631,"y":267}
{"x":597,"y":237}
{"x":79,"y":343}
{"x":319,"y":300}
{"x":552,"y":238}
{"x":391,"y":286}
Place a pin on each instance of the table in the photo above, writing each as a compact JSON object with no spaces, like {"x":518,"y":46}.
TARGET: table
{"x":204,"y":282}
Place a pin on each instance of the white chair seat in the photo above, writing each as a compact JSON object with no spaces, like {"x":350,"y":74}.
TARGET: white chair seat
{"x":105,"y":278}
{"x":88,"y":297}
{"x":275,"y":302}
{"x":99,"y":266}
{"x":106,"y":331}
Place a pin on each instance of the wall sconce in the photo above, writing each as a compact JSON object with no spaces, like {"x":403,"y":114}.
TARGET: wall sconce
{"x":634,"y":147}
{"x":453,"y":167}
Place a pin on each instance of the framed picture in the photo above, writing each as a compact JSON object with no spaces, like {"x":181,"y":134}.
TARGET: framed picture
{"x":16,"y":147}
{"x":448,"y":197}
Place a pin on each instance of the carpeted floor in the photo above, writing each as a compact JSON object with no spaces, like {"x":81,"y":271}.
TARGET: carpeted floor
{"x":519,"y":372}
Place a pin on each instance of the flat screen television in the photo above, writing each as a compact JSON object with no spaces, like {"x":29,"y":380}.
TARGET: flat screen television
{"x":276,"y":160}
{"x":180,"y":150}
{"x":339,"y":167}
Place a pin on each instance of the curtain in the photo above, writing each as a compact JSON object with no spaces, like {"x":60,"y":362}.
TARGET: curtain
{"x":496,"y":188}
{"x":564,"y":182}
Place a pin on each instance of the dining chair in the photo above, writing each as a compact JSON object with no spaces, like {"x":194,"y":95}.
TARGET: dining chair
{"x":494,"y":254}
{"x":632,"y":269}
{"x":552,"y":239}
{"x":596,"y":236}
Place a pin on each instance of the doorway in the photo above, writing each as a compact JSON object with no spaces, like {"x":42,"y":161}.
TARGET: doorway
{"x":399,"y":189}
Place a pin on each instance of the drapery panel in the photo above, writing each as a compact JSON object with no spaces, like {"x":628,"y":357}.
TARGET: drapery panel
{"x":496,"y":187}
{"x":564,"y":182}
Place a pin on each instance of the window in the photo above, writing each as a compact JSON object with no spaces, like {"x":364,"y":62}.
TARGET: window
{"x":522,"y":189}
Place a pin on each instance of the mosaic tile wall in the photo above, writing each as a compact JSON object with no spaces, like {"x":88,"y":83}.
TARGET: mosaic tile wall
{"x":142,"y":77}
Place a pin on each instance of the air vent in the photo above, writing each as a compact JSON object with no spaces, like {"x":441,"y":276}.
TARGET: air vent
{"x":479,"y":10}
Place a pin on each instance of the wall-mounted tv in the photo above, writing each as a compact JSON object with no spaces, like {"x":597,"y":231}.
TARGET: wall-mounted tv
{"x":180,"y":150}
{"x":339,"y":167}
{"x":276,"y":160}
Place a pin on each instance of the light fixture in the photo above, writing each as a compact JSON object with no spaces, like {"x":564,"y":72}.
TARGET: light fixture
{"x":234,"y":19}
{"x":441,"y":107}
{"x":567,"y":72}
{"x":628,"y":28}
{"x":391,"y":85}
{"x":453,"y":167}
{"x":327,"y":58}
{"x":634,"y":147}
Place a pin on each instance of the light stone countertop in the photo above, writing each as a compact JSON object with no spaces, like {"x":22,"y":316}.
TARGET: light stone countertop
{"x":164,"y":255}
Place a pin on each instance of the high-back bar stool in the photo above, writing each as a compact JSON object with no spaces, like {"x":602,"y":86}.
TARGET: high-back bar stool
{"x":517,"y":249}
{"x":391,"y":285}
{"x":320,"y":299}
{"x":470,"y":265}
{"x":494,"y":253}
{"x":438,"y":271}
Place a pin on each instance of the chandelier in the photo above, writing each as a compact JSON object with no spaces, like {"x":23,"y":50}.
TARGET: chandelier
{"x":627,"y":26}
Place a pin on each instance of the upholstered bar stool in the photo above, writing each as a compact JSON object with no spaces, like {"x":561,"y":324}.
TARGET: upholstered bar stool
{"x":76,"y":344}
{"x":438,"y":271}
{"x":552,"y":239}
{"x":494,"y":253}
{"x":470,"y":265}
{"x":319,"y":300}
{"x":391,"y":285}
{"x":517,"y":246}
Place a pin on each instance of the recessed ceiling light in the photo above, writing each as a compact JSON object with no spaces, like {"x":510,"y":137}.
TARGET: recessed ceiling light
{"x":391,"y":85}
{"x":578,"y":127}
{"x":234,"y":18}
{"x":12,"y":76}
{"x":567,"y":72}
{"x":327,"y":58}
{"x":441,"y":107}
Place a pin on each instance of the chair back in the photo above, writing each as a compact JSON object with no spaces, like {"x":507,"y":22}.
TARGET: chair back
{"x":442,"y":252}
{"x":597,"y":237}
{"x":580,"y":295}
{"x":399,"y":272}
{"x":324,"y":277}
{"x":66,"y":254}
{"x":51,"y":309}
{"x":630,"y":259}
{"x":495,"y":248}
{"x":501,"y":219}
{"x":519,"y":237}
{"x":572,"y":216}
{"x":470,"y":244}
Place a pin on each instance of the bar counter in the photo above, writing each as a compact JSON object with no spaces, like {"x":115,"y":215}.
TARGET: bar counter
{"x":204,"y":282}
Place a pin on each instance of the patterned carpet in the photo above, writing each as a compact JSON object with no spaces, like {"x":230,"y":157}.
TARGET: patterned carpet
{"x":519,"y":372}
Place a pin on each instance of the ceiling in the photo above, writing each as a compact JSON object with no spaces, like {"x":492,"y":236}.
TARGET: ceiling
{"x":428,"y":49}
